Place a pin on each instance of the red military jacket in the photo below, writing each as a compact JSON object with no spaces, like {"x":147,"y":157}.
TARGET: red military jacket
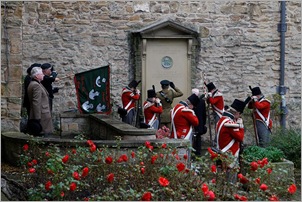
{"x":217,"y":102}
{"x":127,"y":96}
{"x":150,"y":111}
{"x":262,"y":108}
{"x":229,"y":135}
{"x":184,"y":119}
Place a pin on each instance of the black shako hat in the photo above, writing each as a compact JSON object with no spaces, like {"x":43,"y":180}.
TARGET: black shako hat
{"x":46,"y":66}
{"x":255,"y":91}
{"x":193,"y":99}
{"x":133,"y":84}
{"x":165,"y":82}
{"x":210,"y":86}
{"x":238,"y":105}
{"x":151,"y":93}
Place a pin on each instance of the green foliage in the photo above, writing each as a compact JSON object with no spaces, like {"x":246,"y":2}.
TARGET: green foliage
{"x":130,"y":174}
{"x":254,"y":153}
{"x":289,"y":141}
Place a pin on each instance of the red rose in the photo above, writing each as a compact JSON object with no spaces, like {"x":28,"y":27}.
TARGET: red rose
{"x":32,"y":170}
{"x":72,"y":186}
{"x":243,"y":198}
{"x":65,"y":158}
{"x":213,"y":181}
{"x":29,"y":164}
{"x":269,"y":170}
{"x":25,"y":147}
{"x":76,"y":175}
{"x":185,"y":156}
{"x":47,"y":154}
{"x":132,"y":154}
{"x":142,"y":163}
{"x":110,"y":177}
{"x":73,"y":151}
{"x":257,"y":180}
{"x":163,"y":181}
{"x":147,"y":196}
{"x":85,"y":172}
{"x":292,"y":189}
{"x":49,"y":171}
{"x":124,"y":157}
{"x":142,"y":170}
{"x":161,"y":155}
{"x":34,"y":161}
{"x":48,"y":185}
{"x":62,"y":194}
{"x":204,"y":188}
{"x":92,"y":148}
{"x":212,"y":154}
{"x":153,"y":159}
{"x":213,"y":169}
{"x":273,"y":198}
{"x":210,"y":195}
{"x":263,"y":187}
{"x":254,"y":166}
{"x":89,"y":142}
{"x":108,"y":160}
{"x":180,"y":167}
{"x":237,"y":196}
{"x":243,"y":179}
{"x":164,"y":145}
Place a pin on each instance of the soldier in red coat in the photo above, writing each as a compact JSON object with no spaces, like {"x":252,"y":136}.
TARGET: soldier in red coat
{"x":183,"y":118}
{"x":152,"y":108}
{"x":229,"y":129}
{"x":261,"y":115}
{"x":129,"y":96}
{"x":215,"y":98}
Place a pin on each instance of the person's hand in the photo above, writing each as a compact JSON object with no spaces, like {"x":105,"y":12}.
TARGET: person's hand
{"x":254,"y":98}
{"x":137,"y":91}
{"x":240,"y":122}
{"x":172,"y":85}
{"x":55,"y":90}
{"x":157,"y":100}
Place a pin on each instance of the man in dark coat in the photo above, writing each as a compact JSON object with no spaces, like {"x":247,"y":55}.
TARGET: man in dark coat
{"x":200,"y":111}
{"x":50,"y":76}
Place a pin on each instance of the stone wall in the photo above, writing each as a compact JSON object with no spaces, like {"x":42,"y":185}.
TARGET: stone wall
{"x":240,"y":46}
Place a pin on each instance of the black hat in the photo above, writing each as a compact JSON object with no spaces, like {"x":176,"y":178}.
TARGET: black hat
{"x":151,"y":93}
{"x":46,"y":66}
{"x":238,"y":105}
{"x":34,"y":127}
{"x":32,"y":66}
{"x":193,"y":99}
{"x":134,"y":84}
{"x":165,"y":82}
{"x":255,"y":91}
{"x":211,"y":86}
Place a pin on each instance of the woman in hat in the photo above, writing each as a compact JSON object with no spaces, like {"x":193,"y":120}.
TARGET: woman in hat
{"x":152,"y":108}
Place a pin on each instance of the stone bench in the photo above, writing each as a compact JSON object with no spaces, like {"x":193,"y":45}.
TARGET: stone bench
{"x":102,"y":127}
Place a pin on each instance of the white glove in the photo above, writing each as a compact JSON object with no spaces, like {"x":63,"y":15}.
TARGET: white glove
{"x":240,"y":122}
{"x":255,"y":98}
{"x":137,"y":91}
{"x":157,"y":100}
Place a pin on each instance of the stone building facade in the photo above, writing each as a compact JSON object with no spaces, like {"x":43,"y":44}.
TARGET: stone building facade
{"x":237,"y":45}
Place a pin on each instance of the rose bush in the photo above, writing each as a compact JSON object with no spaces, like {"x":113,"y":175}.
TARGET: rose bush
{"x":152,"y":172}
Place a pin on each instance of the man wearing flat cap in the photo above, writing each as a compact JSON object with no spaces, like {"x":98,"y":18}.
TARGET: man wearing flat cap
{"x":130,"y":94}
{"x":166,"y":96}
{"x":50,"y":76}
{"x":261,"y":116}
{"x":183,"y":118}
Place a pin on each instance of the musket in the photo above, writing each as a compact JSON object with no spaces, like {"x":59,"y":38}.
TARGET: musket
{"x":208,"y":110}
{"x":254,"y":124}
